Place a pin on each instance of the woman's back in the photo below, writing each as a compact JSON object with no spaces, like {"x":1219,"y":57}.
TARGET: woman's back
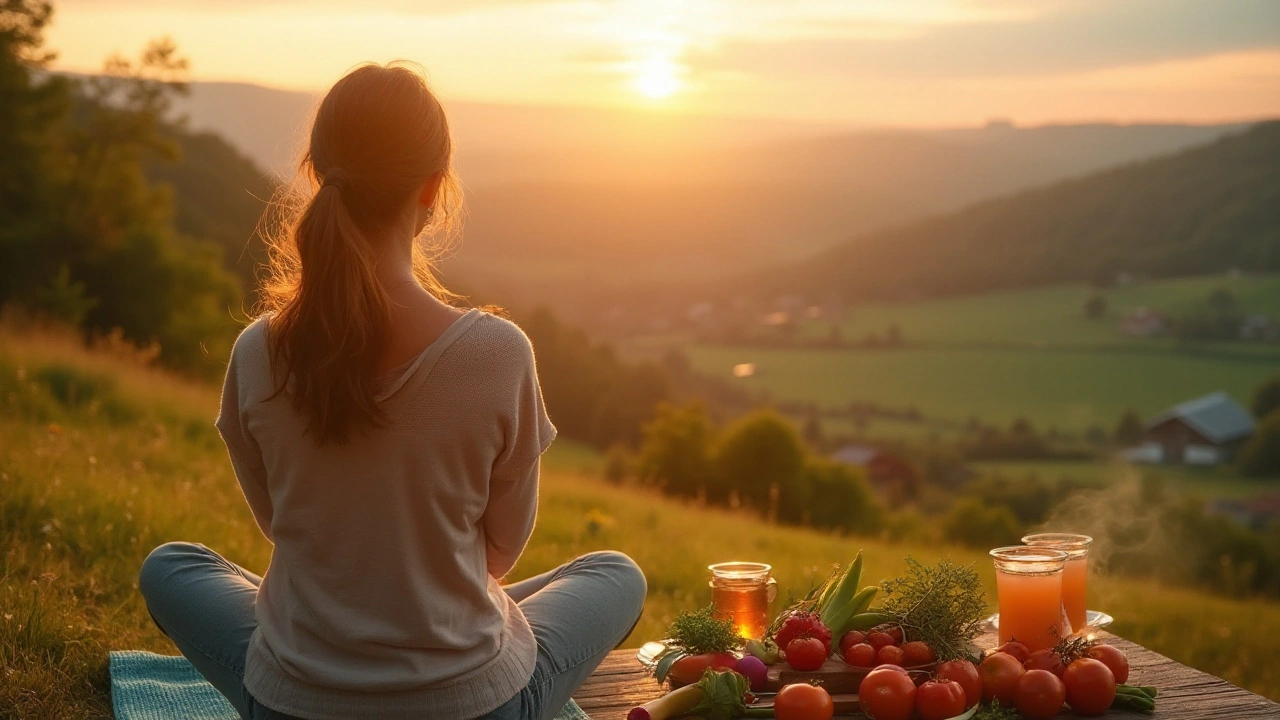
{"x":387,"y":545}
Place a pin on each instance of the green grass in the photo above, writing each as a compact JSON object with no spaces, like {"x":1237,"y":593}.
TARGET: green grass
{"x":1053,"y":315}
{"x":1029,"y":353}
{"x":88,"y":487}
{"x":1070,"y":390}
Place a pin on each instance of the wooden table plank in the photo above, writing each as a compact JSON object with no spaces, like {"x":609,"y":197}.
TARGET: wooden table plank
{"x":620,"y":683}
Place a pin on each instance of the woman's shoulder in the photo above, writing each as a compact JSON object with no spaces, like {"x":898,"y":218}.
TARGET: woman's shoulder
{"x":251,"y":344}
{"x":496,"y":339}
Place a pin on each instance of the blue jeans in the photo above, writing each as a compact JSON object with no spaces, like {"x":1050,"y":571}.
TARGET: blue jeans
{"x":578,"y":612}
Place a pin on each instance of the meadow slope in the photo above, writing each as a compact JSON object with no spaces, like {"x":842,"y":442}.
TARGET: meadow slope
{"x":103,"y":460}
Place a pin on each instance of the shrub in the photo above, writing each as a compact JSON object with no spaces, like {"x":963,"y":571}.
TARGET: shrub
{"x":978,"y":525}
{"x":754,"y":454}
{"x":1261,"y":453}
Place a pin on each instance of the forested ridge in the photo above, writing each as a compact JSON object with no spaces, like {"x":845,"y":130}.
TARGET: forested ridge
{"x":1204,"y":210}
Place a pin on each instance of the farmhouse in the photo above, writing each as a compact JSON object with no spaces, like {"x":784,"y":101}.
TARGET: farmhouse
{"x":890,"y":474}
{"x":1204,"y":431}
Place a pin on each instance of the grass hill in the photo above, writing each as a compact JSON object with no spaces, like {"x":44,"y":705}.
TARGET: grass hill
{"x":105,"y":458}
{"x":1203,"y":210}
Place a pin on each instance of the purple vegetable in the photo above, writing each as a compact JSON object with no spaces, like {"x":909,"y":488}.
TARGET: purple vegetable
{"x":754,"y":670}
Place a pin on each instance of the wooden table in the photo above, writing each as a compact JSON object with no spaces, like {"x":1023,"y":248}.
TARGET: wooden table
{"x":620,"y":683}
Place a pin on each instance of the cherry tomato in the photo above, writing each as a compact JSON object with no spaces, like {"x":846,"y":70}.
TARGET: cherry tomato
{"x":1000,"y":673}
{"x":1045,"y":660}
{"x":806,"y":654}
{"x":1091,"y":688}
{"x":963,"y":672}
{"x":1039,"y":695}
{"x":690,"y":668}
{"x":917,"y":653}
{"x":1112,"y":657}
{"x":940,"y":699}
{"x":861,"y":655}
{"x":895,"y":632}
{"x":801,"y":701}
{"x":887,"y":693}
{"x":889,"y":655}
{"x":851,"y":638}
{"x":879,"y":639}
{"x":1016,"y":649}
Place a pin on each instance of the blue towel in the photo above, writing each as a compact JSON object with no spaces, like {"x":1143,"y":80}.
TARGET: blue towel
{"x":146,"y":686}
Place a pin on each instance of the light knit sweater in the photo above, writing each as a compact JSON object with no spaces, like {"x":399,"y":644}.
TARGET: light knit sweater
{"x":381,"y":598}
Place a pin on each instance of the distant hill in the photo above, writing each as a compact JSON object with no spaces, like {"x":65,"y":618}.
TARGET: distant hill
{"x":218,"y":195}
{"x":575,"y":195}
{"x":1203,"y":210}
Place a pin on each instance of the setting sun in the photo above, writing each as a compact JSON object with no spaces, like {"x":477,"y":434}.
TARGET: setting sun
{"x":657,"y":77}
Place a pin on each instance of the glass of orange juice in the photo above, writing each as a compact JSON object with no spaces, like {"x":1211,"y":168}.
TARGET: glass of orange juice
{"x":741,"y":592}
{"x":1074,"y":576}
{"x":1029,"y":591}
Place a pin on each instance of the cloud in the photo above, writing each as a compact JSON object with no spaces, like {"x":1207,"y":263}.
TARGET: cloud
{"x":1076,"y":37}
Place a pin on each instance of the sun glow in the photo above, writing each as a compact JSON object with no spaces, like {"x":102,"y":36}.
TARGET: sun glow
{"x":657,"y":77}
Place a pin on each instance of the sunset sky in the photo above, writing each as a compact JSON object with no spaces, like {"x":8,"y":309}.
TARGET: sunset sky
{"x":870,"y":62}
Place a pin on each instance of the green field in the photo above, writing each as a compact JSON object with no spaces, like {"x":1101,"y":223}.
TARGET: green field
{"x":104,"y":460}
{"x":1054,"y":316}
{"x":997,"y":357}
{"x":1208,"y":483}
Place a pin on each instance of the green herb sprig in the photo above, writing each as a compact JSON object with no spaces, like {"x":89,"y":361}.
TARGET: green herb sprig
{"x":700,"y":632}
{"x":942,"y":605}
{"x":995,"y":711}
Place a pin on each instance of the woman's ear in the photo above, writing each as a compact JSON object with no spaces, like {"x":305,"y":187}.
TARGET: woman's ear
{"x":430,"y":189}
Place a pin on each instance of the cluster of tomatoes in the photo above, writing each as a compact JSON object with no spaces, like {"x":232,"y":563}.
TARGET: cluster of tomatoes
{"x":884,"y":646}
{"x":1082,"y":675}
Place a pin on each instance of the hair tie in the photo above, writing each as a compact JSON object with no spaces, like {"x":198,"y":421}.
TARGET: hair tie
{"x":338,"y":178}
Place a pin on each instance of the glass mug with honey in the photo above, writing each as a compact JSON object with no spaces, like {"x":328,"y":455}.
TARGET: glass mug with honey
{"x":741,"y":593}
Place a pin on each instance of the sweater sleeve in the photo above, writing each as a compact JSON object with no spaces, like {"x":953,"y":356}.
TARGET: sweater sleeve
{"x":513,"y":484}
{"x":246,"y":456}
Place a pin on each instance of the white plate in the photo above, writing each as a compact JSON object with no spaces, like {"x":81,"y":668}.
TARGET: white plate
{"x":1096,"y":619}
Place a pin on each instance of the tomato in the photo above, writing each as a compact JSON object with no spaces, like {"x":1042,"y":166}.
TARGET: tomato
{"x":1039,"y":695}
{"x":963,"y":672}
{"x":1091,"y":687}
{"x":1045,"y":660}
{"x":1112,"y":657}
{"x":806,"y":654}
{"x":887,"y":693}
{"x":889,"y":655}
{"x":690,"y":668}
{"x":940,"y":699}
{"x":851,"y":638}
{"x":801,"y":701}
{"x":861,"y":655}
{"x":1000,"y":673}
{"x":879,"y":639}
{"x":1016,"y":649}
{"x":917,"y":653}
{"x":895,"y":632}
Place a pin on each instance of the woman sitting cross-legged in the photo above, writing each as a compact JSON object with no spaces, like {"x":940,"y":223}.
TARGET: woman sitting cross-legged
{"x":388,"y":445}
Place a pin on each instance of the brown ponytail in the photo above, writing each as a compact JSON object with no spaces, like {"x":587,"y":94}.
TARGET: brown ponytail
{"x":378,"y":136}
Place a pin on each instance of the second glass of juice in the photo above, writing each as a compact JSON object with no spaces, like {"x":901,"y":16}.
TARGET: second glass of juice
{"x":1029,"y":593}
{"x":1074,"y":576}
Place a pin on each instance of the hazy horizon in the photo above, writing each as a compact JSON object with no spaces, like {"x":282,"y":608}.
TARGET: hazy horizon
{"x":869,"y":65}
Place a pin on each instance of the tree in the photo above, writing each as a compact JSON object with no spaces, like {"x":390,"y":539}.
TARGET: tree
{"x":839,"y":498}
{"x":1266,"y":398}
{"x":1095,"y":308}
{"x":975,"y":524}
{"x":675,"y":453}
{"x":756,"y":453}
{"x":1260,"y":455}
{"x":1129,"y":430}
